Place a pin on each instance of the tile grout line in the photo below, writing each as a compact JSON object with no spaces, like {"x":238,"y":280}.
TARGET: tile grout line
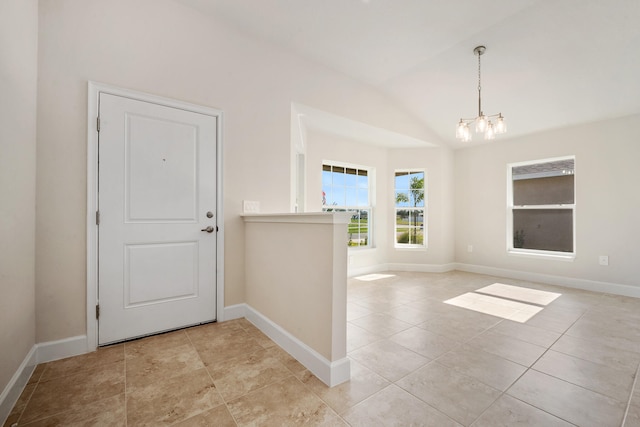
{"x":586,"y":360}
{"x":549,"y":348}
{"x":291,"y":375}
{"x":224,"y":401}
{"x":529,"y":368}
{"x":633,"y":388}
{"x":427,"y":403}
{"x":392,"y":382}
{"x":459,"y":344}
{"x":30,"y":396}
{"x":322,"y":400}
{"x":124,"y":356}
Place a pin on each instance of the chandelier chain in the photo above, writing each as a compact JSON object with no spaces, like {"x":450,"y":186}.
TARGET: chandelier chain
{"x":479,"y":88}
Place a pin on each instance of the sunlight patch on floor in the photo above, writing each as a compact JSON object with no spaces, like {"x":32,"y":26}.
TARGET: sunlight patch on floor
{"x":517,"y":293}
{"x":372,"y":277}
{"x":506,"y":301}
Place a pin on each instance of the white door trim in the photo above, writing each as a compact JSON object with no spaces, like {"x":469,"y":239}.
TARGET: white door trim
{"x":92,"y":196}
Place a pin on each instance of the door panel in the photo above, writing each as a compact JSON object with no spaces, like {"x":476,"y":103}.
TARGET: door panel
{"x":156,"y":184}
{"x":160,"y":273}
{"x":160,"y":165}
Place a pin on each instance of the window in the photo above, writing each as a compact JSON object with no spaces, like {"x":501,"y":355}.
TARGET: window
{"x":542,"y":207}
{"x":410,"y":199}
{"x":346,"y":189}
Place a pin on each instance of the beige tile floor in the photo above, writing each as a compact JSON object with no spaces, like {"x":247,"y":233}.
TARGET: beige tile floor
{"x":415,"y":360}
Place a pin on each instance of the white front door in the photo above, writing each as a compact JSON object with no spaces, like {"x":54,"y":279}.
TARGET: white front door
{"x":157,"y":193}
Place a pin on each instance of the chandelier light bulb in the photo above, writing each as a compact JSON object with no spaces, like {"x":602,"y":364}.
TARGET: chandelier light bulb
{"x":501,"y":126}
{"x":466,"y":137}
{"x":490,"y":133}
{"x":481,"y":123}
{"x":460,"y":130}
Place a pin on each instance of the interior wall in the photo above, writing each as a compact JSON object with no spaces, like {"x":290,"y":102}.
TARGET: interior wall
{"x":18,"y":84}
{"x":164,"y":48}
{"x":607,"y":200}
{"x":323,"y":147}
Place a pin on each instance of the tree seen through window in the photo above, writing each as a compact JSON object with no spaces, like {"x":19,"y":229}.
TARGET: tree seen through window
{"x":410,"y":211}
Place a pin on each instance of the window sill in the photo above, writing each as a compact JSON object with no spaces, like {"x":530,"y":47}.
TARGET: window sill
{"x":557,"y":256}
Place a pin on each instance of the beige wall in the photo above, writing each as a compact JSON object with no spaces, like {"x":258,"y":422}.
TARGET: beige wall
{"x":18,"y":82}
{"x":607,"y":200}
{"x":303,"y":289}
{"x":164,"y":48}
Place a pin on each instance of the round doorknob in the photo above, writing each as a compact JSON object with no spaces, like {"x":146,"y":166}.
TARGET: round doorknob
{"x":209,"y":229}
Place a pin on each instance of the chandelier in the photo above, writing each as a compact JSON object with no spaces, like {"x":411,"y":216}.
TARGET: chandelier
{"x":483,"y":123}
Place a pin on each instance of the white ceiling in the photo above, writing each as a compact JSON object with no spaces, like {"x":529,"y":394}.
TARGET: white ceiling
{"x":548,"y":64}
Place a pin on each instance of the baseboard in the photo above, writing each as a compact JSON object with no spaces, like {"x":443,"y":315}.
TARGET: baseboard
{"x":16,"y":385}
{"x":54,"y":350}
{"x":39,"y":353}
{"x":570,"y":282}
{"x":330,"y":373}
{"x":422,"y":268}
{"x":237,"y":311}
{"x":361,"y":271}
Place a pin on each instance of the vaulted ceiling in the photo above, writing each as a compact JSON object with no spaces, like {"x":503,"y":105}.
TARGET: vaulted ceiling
{"x":548,"y":63}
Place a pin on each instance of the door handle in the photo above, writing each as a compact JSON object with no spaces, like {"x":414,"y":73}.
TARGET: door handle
{"x":209,"y":229}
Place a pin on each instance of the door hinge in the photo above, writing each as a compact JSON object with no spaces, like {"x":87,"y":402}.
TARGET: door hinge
{"x":98,"y":123}
{"x":97,"y":217}
{"x":97,"y":311}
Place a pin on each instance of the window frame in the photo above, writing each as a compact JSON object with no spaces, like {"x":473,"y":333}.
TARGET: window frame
{"x":425,"y":238}
{"x":539,"y":253}
{"x":346,"y":208}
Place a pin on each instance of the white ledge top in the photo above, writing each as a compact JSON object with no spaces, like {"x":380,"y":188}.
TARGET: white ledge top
{"x":300,"y":217}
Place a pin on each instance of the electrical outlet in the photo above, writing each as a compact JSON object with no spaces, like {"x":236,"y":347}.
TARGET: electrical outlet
{"x":469,"y":248}
{"x":604,"y":260}
{"x":250,"y":206}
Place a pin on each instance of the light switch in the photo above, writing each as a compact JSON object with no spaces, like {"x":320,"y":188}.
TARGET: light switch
{"x":250,"y":206}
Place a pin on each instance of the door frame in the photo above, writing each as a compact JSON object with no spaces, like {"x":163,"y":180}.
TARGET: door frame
{"x":94,"y":90}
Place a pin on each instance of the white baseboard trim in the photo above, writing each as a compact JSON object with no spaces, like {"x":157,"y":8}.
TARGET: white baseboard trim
{"x":422,"y":268}
{"x":361,"y":271}
{"x":39,"y":353}
{"x":570,"y":282}
{"x":330,"y":373}
{"x":54,"y":350}
{"x":237,"y":311}
{"x":16,"y":385}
